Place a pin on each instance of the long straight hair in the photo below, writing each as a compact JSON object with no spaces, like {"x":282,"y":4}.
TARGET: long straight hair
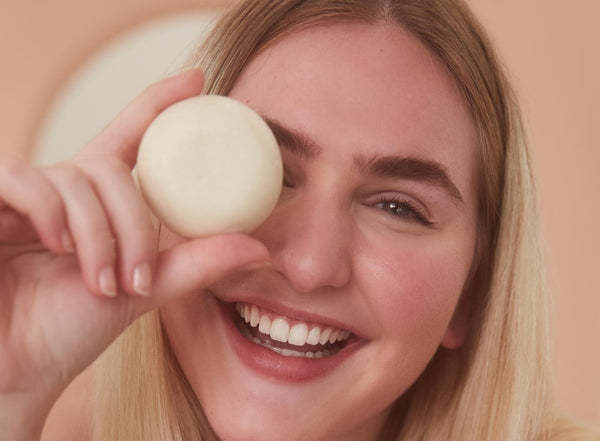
{"x":495,"y":387}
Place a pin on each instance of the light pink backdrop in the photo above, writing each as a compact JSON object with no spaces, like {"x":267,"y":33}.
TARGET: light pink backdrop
{"x":552,"y":51}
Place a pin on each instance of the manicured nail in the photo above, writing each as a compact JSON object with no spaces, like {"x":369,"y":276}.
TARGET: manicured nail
{"x":67,"y":241}
{"x":142,"y":279}
{"x":108,"y":281}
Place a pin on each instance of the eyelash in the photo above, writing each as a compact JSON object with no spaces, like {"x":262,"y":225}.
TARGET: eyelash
{"x":414,"y":213}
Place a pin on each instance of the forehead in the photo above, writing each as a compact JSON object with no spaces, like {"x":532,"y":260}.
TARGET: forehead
{"x":373,"y":87}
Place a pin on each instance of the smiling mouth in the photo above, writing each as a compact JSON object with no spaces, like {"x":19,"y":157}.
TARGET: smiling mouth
{"x":288,"y":337}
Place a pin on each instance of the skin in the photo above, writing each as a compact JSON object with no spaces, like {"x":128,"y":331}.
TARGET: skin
{"x":61,"y":227}
{"x":335,"y":247}
{"x":358,"y":91}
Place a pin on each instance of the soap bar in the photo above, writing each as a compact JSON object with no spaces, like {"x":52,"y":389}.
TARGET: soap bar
{"x":209,"y":165}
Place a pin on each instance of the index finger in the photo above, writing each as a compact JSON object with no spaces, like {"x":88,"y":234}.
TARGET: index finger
{"x":121,"y":138}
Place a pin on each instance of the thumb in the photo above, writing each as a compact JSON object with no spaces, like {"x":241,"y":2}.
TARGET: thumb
{"x":193,"y":265}
{"x":121,"y":138}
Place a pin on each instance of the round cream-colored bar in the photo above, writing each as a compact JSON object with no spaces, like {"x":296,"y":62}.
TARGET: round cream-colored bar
{"x":209,"y":165}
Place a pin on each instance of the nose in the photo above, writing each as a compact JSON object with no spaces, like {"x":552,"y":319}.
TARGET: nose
{"x":309,"y":238}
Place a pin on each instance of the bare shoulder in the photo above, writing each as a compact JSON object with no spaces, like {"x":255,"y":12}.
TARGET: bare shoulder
{"x":71,"y":416}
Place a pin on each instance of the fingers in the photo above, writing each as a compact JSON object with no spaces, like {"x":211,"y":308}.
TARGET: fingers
{"x":29,"y":199}
{"x":121,"y":138}
{"x":107,"y":161}
{"x":116,"y":242}
{"x":89,"y":226}
{"x":93,"y":204}
{"x":129,"y":218}
{"x":194,"y":265}
{"x":94,"y":207}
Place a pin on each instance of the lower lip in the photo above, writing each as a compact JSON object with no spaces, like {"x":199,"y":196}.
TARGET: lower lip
{"x":277,"y":367}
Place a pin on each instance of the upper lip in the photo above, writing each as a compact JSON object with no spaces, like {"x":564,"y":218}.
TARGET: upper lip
{"x":281,"y":309}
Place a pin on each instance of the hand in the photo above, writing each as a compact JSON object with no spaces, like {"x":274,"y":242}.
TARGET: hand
{"x":79,"y":258}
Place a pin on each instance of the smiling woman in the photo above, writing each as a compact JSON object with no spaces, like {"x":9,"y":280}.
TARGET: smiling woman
{"x":395,"y":292}
{"x":406,"y":275}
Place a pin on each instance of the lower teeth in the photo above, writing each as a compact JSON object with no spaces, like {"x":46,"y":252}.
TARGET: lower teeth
{"x":287,"y":352}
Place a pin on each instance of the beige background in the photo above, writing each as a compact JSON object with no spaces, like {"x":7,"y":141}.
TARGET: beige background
{"x":552,"y":51}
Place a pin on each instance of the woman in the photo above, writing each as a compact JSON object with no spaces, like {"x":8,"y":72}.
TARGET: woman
{"x":405,"y":243}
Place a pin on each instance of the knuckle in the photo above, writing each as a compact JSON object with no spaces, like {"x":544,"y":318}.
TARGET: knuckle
{"x":114,"y":165}
{"x":99,"y":240}
{"x":50,"y":202}
{"x":105,"y":168}
{"x":104,"y":236}
{"x":41,"y":196}
{"x":106,"y":163}
{"x":68,"y":173}
{"x":14,"y":168}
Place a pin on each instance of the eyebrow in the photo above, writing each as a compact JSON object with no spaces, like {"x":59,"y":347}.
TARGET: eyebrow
{"x":411,"y":168}
{"x":295,"y":142}
{"x":392,"y":167}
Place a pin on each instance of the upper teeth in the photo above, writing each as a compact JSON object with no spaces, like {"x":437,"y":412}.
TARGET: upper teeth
{"x":287,"y":331}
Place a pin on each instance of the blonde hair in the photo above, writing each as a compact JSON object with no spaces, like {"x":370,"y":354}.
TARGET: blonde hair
{"x":496,"y":386}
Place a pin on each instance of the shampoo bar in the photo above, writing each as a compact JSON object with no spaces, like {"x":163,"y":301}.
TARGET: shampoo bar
{"x":209,"y":165}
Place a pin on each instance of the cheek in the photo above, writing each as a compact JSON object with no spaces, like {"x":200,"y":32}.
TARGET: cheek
{"x":413,"y":288}
{"x":184,"y":318}
{"x":188,"y":324}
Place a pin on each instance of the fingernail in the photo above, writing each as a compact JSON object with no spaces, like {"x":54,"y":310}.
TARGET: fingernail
{"x":108,"y":281}
{"x":254,"y":266}
{"x":67,"y":241}
{"x":142,"y":279}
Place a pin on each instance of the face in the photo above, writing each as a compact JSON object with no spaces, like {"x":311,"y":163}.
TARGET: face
{"x":371,"y":242}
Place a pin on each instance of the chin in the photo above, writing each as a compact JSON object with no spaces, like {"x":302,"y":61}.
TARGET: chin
{"x":253,"y":387}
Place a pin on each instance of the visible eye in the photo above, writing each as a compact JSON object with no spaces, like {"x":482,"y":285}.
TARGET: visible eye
{"x":403,"y":209}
